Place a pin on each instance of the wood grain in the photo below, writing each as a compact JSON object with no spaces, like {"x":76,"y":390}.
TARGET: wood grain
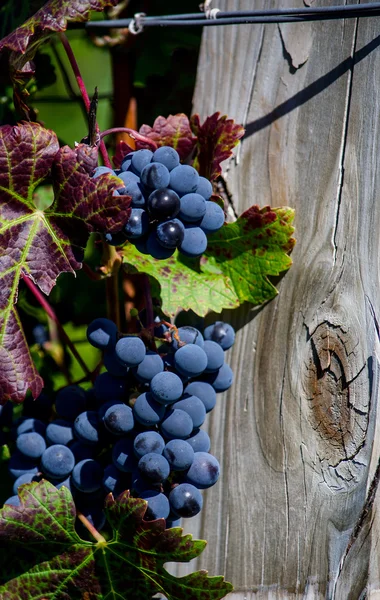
{"x":295,"y":512}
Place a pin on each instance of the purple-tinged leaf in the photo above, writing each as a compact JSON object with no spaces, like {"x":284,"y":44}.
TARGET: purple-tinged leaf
{"x":42,"y":244}
{"x":215,"y":140}
{"x":122,"y":149}
{"x":172,"y":131}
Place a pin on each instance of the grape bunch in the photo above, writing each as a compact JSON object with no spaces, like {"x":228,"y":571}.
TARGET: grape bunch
{"x":138,"y":428}
{"x":171,"y":206}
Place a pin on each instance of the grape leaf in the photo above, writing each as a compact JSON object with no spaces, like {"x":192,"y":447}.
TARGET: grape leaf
{"x":51,"y":561}
{"x":234,"y":269}
{"x":42,"y":244}
{"x":172,"y":131}
{"x":215,"y":140}
{"x":122,"y":149}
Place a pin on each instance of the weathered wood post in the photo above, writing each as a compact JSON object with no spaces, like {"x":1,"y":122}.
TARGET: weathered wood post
{"x":295,"y":514}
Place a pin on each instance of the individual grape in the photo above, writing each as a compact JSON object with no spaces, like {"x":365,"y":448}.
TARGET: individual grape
{"x":114,"y":481}
{"x":115,"y":239}
{"x":107,"y":386}
{"x":40,"y":334}
{"x":215,"y":356}
{"x":184,"y":179}
{"x":188,"y":335}
{"x":138,"y":223}
{"x":123,"y":456}
{"x":29,"y":425}
{"x":141,"y":245}
{"x":113,"y":365}
{"x":163,"y":204}
{"x":130,"y":351}
{"x":140,"y":159}
{"x":199,"y":440}
{"x":18,"y":465}
{"x":177,"y":425}
{"x":166,"y":156}
{"x":102,"y":171}
{"x":204,"y":471}
{"x":87,"y":427}
{"x":185,"y":500}
{"x":170,"y":233}
{"x":134,"y":190}
{"x":32,"y":444}
{"x":154,"y":467}
{"x":126,"y":162}
{"x":13,"y":501}
{"x":110,"y":404}
{"x":194,"y":407}
{"x":221,"y":333}
{"x":179,"y":455}
{"x":57,"y":461}
{"x":204,"y":391}
{"x":204,"y":188}
{"x":194,"y":242}
{"x":193,"y":207}
{"x":190,"y":360}
{"x":155,"y":176}
{"x":213,"y":218}
{"x":166,"y":387}
{"x":81,"y":451}
{"x":118,"y":419}
{"x":140,"y":484}
{"x":26,"y":478}
{"x":222,"y":379}
{"x":59,"y":432}
{"x":101,"y":333}
{"x":129,"y":177}
{"x":70,"y":401}
{"x":148,"y":442}
{"x":87,"y":475}
{"x":149,"y":367}
{"x":155,"y":249}
{"x":147,"y":411}
{"x":158,"y":505}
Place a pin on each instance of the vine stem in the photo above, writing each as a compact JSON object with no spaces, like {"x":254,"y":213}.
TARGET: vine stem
{"x":50,"y":312}
{"x":134,"y":135}
{"x":82,"y":88}
{"x":94,"y":532}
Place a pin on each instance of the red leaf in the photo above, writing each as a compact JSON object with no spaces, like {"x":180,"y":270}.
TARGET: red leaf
{"x":174,"y":131}
{"x":122,"y":149}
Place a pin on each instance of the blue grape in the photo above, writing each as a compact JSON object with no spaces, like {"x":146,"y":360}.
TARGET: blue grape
{"x":118,"y":419}
{"x":170,"y":234}
{"x":130,"y":351}
{"x":128,"y":177}
{"x":194,"y":242}
{"x":163,"y":204}
{"x":134,"y":190}
{"x":140,"y":484}
{"x":222,"y":379}
{"x":188,"y":335}
{"x":107,"y":386}
{"x":102,"y":333}
{"x":193,"y":208}
{"x":126,"y":162}
{"x":179,"y":455}
{"x":87,"y":475}
{"x":213,"y":218}
{"x":30,"y":424}
{"x":87,"y":427}
{"x":138,"y":223}
{"x":221,"y":333}
{"x":19,"y":465}
{"x":141,"y":245}
{"x":40,"y":334}
{"x":59,"y":432}
{"x":102,"y":171}
{"x":81,"y":451}
{"x":166,"y":156}
{"x":114,"y":481}
{"x":123,"y":456}
{"x":204,"y":391}
{"x":147,"y":411}
{"x":32,"y":444}
{"x":140,"y":159}
{"x":194,"y":407}
{"x":110,"y":404}
{"x":158,"y":505}
{"x":185,"y":500}
{"x":57,"y":461}
{"x":215,"y":356}
{"x":204,"y":471}
{"x":154,"y":467}
{"x":112,"y":364}
{"x":115,"y":239}
{"x":148,"y":442}
{"x":184,"y":179}
{"x":13,"y":501}
{"x":155,"y":249}
{"x":204,"y":188}
{"x":26,"y":478}
{"x":149,"y":367}
{"x":166,"y":387}
{"x":190,"y":360}
{"x":155,"y":176}
{"x":177,"y":425}
{"x":199,"y":440}
{"x":70,"y":401}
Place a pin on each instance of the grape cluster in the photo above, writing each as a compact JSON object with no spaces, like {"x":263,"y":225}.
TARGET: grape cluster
{"x":138,"y":428}
{"x":171,"y":206}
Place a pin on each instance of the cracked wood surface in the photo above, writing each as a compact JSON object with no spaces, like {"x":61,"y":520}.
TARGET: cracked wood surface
{"x":295,"y":514}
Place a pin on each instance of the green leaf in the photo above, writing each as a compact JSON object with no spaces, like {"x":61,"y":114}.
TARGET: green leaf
{"x":234,"y":269}
{"x":47,"y":559}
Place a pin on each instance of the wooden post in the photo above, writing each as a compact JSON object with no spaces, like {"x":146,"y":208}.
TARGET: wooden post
{"x":295,"y":514}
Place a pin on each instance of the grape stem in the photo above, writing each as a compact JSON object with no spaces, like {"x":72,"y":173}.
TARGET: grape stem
{"x":82,"y":88}
{"x":94,"y":532}
{"x":50,"y":312}
{"x":135,"y":135}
